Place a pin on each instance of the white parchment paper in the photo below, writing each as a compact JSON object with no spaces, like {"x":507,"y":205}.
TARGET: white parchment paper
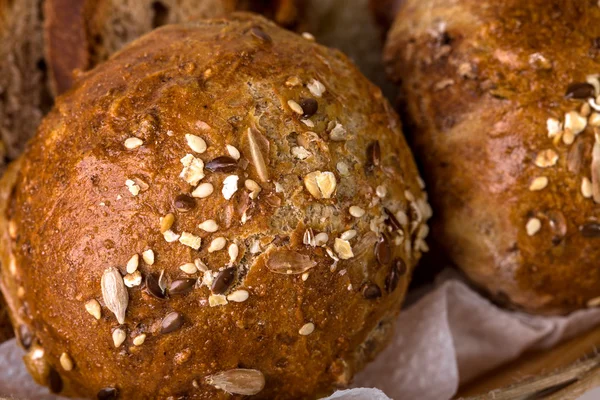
{"x":449,"y":336}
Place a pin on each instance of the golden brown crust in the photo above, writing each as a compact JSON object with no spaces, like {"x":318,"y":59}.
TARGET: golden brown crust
{"x":230,"y":82}
{"x":480,"y":82}
{"x":79,"y":34}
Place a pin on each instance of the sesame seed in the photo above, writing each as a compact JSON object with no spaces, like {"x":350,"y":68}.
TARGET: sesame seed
{"x":210,"y":225}
{"x":233,"y":152}
{"x":118,"y":337}
{"x":308,"y":123}
{"x":533,"y":226}
{"x":133,"y":143}
{"x":238,"y":296}
{"x":316,"y":88}
{"x":233,"y":251}
{"x":170,"y":236}
{"x":148,"y":256}
{"x":321,"y":239}
{"x":196,"y":143}
{"x":66,"y":362}
{"x":217,"y":244}
{"x":538,"y":183}
{"x":190,"y":240}
{"x":139,"y":339}
{"x":307,"y":329}
{"x":546,"y":158}
{"x":356,"y":211}
{"x":348,"y":235}
{"x":189,"y":268}
{"x":133,"y":188}
{"x":308,"y":36}
{"x":93,"y":308}
{"x":304,"y":276}
{"x":381,"y":191}
{"x":203,"y":190}
{"x":132,"y":264}
{"x":586,"y":188}
{"x":295,"y":107}
{"x":230,"y":186}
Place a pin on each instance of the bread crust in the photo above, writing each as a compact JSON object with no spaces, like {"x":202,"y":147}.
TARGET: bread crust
{"x":230,"y":82}
{"x":480,"y":81}
{"x":79,"y":34}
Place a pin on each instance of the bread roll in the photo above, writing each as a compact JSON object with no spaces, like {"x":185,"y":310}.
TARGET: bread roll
{"x":501,"y":101}
{"x":223,"y":206}
{"x":79,"y":34}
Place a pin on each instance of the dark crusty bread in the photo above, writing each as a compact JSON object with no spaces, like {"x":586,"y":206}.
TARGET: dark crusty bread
{"x":79,"y":34}
{"x":290,"y":282}
{"x":514,"y":184}
{"x":23,"y":92}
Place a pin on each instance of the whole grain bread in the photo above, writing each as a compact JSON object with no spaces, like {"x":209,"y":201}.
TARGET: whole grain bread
{"x":501,"y":100}
{"x":79,"y":34}
{"x":273,"y":185}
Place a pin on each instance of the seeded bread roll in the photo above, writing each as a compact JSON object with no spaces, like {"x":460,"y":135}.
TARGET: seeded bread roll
{"x":223,"y":206}
{"x":502,"y":101}
{"x":79,"y":34}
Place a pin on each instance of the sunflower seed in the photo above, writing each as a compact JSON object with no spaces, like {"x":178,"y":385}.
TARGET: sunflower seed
{"x":166,"y":222}
{"x":289,"y":262}
{"x":203,"y":190}
{"x":246,"y":382}
{"x":223,"y":280}
{"x":132,"y":264}
{"x":182,"y":286}
{"x":371,"y":291}
{"x":307,"y":329}
{"x":210,"y":225}
{"x":233,"y":152}
{"x":222,"y":164}
{"x":316,"y":88}
{"x":239,"y":296}
{"x":133,"y":143}
{"x":190,"y":240}
{"x":171,"y":322}
{"x":108,"y":393}
{"x":230,"y":186}
{"x":153,"y":288}
{"x":383,"y":252}
{"x":139,"y":339}
{"x":148,"y":256}
{"x":193,"y":169}
{"x":184,"y":203}
{"x":118,"y":337}
{"x":255,"y":139}
{"x":66,"y":362}
{"x":93,"y":308}
{"x":115,"y":293}
{"x":196,"y":143}
{"x":189,"y":268}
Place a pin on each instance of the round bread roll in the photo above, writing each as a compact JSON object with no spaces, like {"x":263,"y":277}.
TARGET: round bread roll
{"x":502,"y":100}
{"x":222,"y":207}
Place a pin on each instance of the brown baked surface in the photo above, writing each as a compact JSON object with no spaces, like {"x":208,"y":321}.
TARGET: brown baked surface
{"x":480,"y":80}
{"x":79,"y":34}
{"x":73,"y":217}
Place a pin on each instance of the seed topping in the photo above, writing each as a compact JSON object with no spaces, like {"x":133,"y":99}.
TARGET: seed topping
{"x":114,"y":293}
